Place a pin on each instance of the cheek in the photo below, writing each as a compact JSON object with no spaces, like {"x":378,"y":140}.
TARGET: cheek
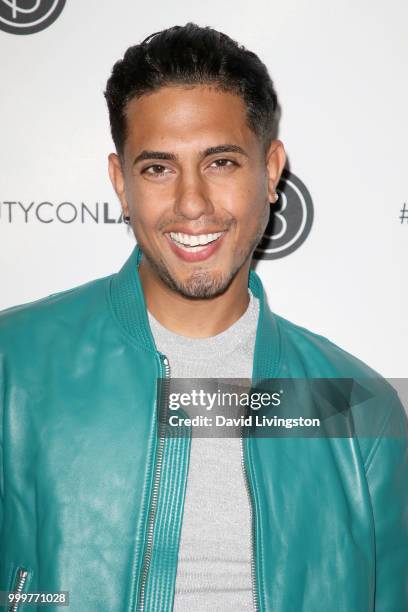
{"x":242,"y":199}
{"x":255,"y":208}
{"x":264,"y":216}
{"x":146,"y":211}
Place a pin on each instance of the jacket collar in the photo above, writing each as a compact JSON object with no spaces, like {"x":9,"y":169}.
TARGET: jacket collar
{"x":129,"y":307}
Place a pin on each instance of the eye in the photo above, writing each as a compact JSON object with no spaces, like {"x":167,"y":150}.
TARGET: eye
{"x":156,"y":170}
{"x":220,"y":164}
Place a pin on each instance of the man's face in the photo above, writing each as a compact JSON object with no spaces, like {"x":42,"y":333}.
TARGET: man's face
{"x":197,"y":186}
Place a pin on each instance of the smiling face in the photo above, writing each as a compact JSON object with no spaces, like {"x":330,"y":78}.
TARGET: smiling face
{"x":197,"y":186}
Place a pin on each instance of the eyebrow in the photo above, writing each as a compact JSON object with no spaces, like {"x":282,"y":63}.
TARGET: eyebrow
{"x":163,"y":155}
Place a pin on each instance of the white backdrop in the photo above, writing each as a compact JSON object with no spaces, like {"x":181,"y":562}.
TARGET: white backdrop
{"x":340,"y":73}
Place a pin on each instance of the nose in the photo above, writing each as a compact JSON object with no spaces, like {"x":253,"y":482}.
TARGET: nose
{"x":192,"y":197}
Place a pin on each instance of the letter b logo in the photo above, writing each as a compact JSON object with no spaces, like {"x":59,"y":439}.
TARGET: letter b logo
{"x":28,"y":16}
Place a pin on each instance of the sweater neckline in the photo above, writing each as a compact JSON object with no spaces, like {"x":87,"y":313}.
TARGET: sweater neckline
{"x":225,"y":342}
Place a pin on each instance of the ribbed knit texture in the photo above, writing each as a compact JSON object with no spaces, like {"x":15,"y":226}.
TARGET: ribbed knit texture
{"x":126,"y":298}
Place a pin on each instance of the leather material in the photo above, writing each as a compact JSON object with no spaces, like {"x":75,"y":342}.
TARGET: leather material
{"x":79,"y":449}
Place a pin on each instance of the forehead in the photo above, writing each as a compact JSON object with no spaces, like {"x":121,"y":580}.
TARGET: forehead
{"x":177,"y":115}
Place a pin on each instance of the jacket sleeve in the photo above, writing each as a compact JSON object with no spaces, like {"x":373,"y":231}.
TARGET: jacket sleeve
{"x":1,"y":447}
{"x":387,"y":476}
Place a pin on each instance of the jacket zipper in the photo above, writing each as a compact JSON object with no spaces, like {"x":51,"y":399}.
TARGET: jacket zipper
{"x":251,"y":511}
{"x":155,"y":492}
{"x":20,"y":581}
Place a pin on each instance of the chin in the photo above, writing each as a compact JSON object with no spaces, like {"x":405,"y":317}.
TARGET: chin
{"x":202,"y":284}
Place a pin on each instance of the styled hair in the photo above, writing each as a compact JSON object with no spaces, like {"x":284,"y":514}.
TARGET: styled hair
{"x":191,"y":55}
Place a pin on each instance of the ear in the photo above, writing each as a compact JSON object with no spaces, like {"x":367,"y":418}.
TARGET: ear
{"x":118,"y":181}
{"x":275,"y":162}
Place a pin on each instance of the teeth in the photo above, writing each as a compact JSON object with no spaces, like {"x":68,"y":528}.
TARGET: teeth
{"x":194,"y":241}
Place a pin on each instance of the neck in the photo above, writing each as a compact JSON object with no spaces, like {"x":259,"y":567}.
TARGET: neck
{"x":192,"y":317}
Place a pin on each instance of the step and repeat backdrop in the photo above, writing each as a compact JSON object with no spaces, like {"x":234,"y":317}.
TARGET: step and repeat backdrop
{"x":334,"y":260}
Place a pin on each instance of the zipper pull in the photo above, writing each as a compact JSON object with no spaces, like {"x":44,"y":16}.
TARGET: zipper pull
{"x":20,"y":580}
{"x":166,"y":364}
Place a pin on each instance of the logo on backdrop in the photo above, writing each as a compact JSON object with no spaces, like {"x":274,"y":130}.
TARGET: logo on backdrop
{"x":290,"y":221}
{"x":59,"y":212}
{"x":28,"y":16}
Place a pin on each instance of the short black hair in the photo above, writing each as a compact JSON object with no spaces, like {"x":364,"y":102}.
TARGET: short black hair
{"x":191,"y":55}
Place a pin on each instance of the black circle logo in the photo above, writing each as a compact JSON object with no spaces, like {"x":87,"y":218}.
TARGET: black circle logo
{"x":28,"y":16}
{"x":290,"y":221}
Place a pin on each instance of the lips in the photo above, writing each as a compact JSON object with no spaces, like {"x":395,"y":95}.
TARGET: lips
{"x":194,"y":253}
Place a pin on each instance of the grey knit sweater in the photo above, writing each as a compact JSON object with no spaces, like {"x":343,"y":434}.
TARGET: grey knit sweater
{"x":214,"y":561}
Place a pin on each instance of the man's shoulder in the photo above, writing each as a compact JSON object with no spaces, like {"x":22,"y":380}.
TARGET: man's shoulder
{"x":319,"y":355}
{"x":307,"y":354}
{"x":63,"y":309}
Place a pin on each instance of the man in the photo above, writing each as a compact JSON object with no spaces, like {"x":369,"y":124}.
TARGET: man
{"x":93,"y":500}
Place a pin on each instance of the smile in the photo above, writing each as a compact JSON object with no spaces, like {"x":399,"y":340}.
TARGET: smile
{"x":193,"y":243}
{"x":192,"y":248}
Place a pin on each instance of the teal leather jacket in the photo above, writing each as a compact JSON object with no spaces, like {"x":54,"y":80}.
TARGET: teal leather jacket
{"x":92,"y":499}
